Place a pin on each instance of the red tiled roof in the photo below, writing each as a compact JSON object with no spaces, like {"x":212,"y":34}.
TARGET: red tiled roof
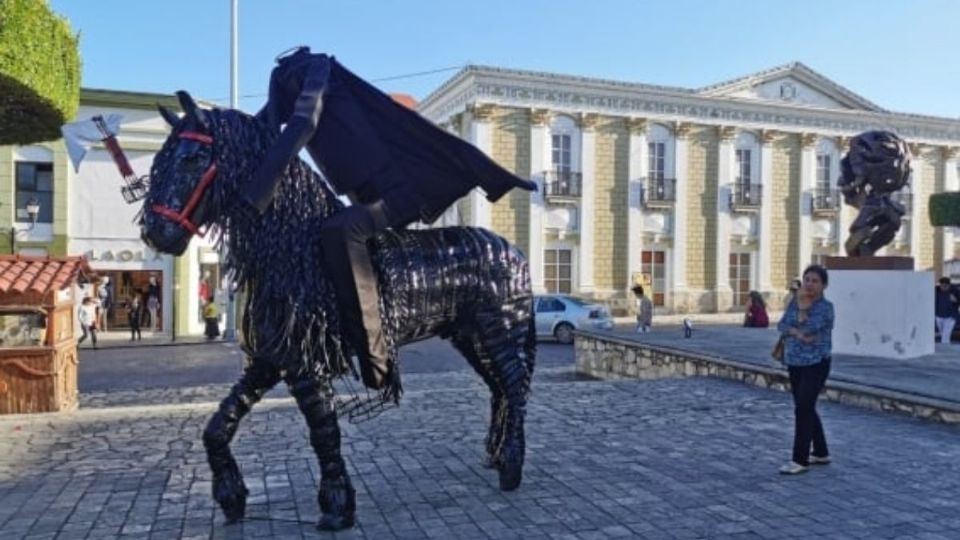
{"x":19,"y":274}
{"x":406,"y":100}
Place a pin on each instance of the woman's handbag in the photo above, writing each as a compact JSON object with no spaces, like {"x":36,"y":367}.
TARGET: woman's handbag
{"x":777,"y":352}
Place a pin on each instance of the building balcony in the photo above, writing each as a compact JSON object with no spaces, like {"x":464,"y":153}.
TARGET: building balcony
{"x":826,"y":201}
{"x":746,"y":197}
{"x":658,"y":192}
{"x":562,"y":185}
{"x":906,"y":200}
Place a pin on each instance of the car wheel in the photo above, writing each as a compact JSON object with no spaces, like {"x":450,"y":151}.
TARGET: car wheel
{"x":564,"y":333}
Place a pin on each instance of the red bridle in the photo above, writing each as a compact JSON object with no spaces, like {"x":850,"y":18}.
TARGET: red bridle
{"x":182,"y":217}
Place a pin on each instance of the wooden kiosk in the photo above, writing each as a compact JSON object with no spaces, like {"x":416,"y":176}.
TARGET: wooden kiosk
{"x":38,"y":333}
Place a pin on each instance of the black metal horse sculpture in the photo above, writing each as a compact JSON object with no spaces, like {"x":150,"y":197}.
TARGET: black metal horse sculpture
{"x":467,"y":285}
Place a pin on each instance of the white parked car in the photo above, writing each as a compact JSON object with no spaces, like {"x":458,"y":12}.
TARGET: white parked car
{"x":559,"y":315}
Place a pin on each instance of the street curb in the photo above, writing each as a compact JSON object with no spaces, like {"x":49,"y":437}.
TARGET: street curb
{"x":150,"y":344}
{"x":606,"y":356}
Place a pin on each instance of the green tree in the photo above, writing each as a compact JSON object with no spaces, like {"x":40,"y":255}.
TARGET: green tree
{"x":944,"y":209}
{"x":39,"y":72}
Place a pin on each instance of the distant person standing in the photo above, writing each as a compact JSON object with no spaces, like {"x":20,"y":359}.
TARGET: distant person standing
{"x":807,"y":329}
{"x":211,"y":315}
{"x":87,"y":315}
{"x":792,"y":293}
{"x":644,"y":309}
{"x":153,"y":291}
{"x":946,"y":300}
{"x":134,"y":316}
{"x":105,"y":296}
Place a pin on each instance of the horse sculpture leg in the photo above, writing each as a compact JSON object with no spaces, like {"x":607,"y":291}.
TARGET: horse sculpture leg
{"x":228,"y":488}
{"x":498,"y":403}
{"x":336,"y":496}
{"x":508,"y":339}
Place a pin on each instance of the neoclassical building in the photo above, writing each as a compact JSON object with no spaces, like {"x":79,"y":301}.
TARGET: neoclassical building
{"x":703,"y":194}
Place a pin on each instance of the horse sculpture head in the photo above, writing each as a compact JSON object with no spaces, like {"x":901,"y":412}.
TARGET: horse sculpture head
{"x":184,"y":195}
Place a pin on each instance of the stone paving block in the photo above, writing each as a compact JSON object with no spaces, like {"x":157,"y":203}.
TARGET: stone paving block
{"x":659,"y":459}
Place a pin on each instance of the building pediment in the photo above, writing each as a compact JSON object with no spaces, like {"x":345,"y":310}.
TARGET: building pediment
{"x":793,"y":84}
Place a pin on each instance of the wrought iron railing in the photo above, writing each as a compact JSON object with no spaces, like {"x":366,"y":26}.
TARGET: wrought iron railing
{"x":746,"y":196}
{"x":562,"y":183}
{"x":826,"y":200}
{"x":659,"y":190}
{"x":905,"y":199}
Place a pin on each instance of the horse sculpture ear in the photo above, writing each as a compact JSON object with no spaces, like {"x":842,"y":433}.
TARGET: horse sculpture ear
{"x":171,"y":117}
{"x":190,"y":107}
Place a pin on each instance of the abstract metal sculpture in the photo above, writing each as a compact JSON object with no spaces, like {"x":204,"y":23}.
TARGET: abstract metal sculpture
{"x":876,"y":165}
{"x":464,"y":284}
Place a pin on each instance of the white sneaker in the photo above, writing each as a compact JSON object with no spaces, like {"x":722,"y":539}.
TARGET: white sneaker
{"x":817,"y":460}
{"x":793,"y":468}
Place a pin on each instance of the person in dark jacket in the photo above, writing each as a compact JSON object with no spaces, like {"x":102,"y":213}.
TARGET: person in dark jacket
{"x":395,"y":166}
{"x":946,"y":299}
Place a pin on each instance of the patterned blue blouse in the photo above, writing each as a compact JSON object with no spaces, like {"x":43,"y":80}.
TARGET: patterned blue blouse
{"x":819,"y":324}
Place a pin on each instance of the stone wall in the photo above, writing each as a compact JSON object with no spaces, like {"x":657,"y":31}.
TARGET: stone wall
{"x":605,"y":357}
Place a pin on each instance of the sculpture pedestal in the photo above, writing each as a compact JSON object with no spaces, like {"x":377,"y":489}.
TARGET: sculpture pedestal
{"x":881,"y":313}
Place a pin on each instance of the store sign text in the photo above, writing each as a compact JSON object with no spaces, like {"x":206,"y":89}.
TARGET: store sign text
{"x":123,"y":255}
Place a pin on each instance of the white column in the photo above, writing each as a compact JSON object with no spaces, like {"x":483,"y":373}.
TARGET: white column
{"x":725,"y":174}
{"x":539,"y":163}
{"x":808,"y":176}
{"x":481,"y":135}
{"x":678,"y":263}
{"x":916,"y":192}
{"x":588,"y":160}
{"x":951,"y":182}
{"x":636,"y":174}
{"x":766,"y":211}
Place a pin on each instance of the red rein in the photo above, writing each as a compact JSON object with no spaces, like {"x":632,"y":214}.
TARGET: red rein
{"x":182,"y":217}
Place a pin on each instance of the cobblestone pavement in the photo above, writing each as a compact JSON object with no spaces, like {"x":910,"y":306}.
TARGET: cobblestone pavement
{"x":678,"y":458}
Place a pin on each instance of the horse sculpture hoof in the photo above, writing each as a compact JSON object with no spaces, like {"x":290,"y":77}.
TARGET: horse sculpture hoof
{"x":338,"y":502}
{"x":510,"y":476}
{"x":332,"y":522}
{"x":231,"y":494}
{"x":511,"y":469}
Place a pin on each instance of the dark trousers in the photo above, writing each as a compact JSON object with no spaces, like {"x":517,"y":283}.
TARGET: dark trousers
{"x":88,"y":331}
{"x":806,"y":382}
{"x":135,"y":330}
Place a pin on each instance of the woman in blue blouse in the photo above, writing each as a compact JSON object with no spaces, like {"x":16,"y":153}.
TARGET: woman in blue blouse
{"x":807,"y":326}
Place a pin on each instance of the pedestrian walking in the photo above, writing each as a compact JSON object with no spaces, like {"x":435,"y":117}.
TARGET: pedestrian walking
{"x":945,"y":308}
{"x":211,"y":315}
{"x":134,"y":316}
{"x":644,"y":308}
{"x":87,"y":315}
{"x":807,"y":329}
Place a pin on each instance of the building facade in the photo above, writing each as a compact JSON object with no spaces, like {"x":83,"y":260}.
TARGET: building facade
{"x":700,"y":194}
{"x":83,"y":213}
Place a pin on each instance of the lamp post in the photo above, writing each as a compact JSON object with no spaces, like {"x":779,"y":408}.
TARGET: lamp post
{"x":33,"y":212}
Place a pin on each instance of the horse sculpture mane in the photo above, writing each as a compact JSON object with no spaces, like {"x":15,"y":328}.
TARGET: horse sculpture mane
{"x":289,"y":308}
{"x":467,"y":285}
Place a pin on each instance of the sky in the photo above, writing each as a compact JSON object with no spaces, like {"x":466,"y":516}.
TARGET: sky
{"x":902,"y":55}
